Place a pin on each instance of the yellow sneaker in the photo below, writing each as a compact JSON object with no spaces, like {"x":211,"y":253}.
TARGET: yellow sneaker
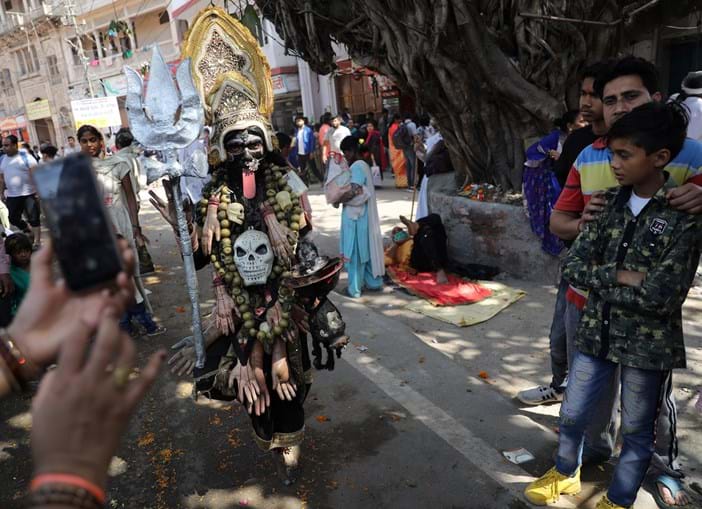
{"x":550,"y":486}
{"x":606,"y":503}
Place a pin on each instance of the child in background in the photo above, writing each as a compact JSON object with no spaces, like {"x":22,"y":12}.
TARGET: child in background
{"x":138,"y":315}
{"x":638,"y":260}
{"x":19,"y":248}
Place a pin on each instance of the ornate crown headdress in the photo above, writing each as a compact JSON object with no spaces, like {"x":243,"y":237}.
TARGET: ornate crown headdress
{"x":231,"y":74}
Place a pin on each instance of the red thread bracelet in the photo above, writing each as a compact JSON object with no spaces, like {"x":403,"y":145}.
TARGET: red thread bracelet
{"x":70,"y":480}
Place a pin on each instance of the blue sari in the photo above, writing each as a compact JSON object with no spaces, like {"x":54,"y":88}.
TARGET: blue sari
{"x":541,"y":190}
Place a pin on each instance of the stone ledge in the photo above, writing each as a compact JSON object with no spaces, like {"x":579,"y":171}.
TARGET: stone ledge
{"x":490,"y":233}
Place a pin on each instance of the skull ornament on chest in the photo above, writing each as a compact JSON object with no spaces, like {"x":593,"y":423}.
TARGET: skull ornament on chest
{"x":253,"y":257}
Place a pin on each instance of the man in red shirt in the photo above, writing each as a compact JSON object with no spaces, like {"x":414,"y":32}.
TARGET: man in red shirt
{"x":591,"y":110}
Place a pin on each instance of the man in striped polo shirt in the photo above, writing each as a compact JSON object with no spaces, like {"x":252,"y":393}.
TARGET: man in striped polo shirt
{"x":629,"y":83}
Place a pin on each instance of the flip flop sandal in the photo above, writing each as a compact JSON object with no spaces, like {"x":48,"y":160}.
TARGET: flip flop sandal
{"x":673,"y":485}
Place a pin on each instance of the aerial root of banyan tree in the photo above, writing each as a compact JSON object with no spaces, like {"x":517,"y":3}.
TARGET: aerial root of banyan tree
{"x":491,"y":77}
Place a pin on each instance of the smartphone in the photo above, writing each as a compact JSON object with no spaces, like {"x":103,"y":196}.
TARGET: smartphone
{"x":82,"y":232}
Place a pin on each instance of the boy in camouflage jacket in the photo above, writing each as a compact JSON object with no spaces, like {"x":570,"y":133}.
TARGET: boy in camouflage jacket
{"x":638,"y":259}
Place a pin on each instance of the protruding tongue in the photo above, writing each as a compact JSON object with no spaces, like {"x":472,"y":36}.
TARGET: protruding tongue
{"x":249,"y":185}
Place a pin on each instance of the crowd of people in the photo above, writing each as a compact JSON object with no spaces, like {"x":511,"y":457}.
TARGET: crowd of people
{"x":119,"y":179}
{"x":392,"y":144}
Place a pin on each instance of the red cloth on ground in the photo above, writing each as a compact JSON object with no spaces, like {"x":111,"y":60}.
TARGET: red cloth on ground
{"x":423,"y":284}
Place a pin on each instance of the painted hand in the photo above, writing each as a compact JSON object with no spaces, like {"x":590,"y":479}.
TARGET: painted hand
{"x":247,"y":386}
{"x":282,"y":384}
{"x":183,"y":361}
{"x":224,"y":311}
{"x":210,"y":230}
{"x":256,"y":361}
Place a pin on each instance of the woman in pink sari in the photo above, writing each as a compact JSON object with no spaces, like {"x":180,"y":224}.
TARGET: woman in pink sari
{"x":397,"y":157}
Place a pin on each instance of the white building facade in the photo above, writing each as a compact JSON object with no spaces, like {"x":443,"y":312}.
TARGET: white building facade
{"x":57,"y":51}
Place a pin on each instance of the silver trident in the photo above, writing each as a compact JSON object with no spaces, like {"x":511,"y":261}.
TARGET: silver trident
{"x":153,"y":123}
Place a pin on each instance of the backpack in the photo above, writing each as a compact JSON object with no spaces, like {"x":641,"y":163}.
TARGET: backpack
{"x":402,"y":138}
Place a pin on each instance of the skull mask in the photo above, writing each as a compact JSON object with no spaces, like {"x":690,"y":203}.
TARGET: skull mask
{"x":253,"y":257}
{"x":245,"y":149}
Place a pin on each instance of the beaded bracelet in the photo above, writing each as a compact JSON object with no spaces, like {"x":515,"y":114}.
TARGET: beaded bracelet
{"x":62,"y":495}
{"x":66,"y":488}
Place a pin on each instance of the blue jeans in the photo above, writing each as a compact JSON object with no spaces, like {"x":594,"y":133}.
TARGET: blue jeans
{"x":557,"y":339}
{"x":641,"y":396}
{"x":601,"y":432}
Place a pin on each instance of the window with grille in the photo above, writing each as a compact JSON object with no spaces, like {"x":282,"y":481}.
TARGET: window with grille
{"x":54,"y":72}
{"x":34,"y":58}
{"x":21,"y":62}
{"x":27,"y":60}
{"x":6,"y":86}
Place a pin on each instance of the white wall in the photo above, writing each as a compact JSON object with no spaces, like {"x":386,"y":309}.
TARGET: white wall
{"x":274,"y":49}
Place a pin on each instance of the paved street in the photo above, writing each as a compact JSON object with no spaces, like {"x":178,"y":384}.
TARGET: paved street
{"x":403,"y":422}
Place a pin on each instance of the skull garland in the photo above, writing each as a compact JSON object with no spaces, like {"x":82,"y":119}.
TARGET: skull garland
{"x":248,"y":282}
{"x":235,"y":213}
{"x":253,"y":257}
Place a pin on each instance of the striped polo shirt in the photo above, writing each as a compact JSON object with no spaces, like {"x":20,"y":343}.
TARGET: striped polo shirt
{"x":592,"y":172}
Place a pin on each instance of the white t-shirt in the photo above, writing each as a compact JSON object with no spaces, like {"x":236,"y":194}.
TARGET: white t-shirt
{"x":15,"y":172}
{"x":336,"y":136}
{"x":68,"y":150}
{"x":301,"y":141}
{"x":636,"y":203}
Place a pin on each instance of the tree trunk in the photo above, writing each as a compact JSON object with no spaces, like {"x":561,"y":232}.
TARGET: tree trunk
{"x":490,"y":77}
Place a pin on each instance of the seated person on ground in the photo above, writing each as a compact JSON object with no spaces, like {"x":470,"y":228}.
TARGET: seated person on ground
{"x":422,"y":248}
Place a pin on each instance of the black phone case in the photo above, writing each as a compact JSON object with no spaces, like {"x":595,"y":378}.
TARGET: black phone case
{"x":81,"y":230}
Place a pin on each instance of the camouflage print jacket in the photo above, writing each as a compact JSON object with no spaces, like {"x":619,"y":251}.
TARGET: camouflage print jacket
{"x":638,"y":327}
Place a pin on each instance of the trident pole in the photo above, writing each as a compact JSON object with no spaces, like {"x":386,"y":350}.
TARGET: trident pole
{"x":188,"y":264}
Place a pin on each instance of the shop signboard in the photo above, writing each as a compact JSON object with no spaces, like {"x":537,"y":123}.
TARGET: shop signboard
{"x":101,"y":112}
{"x":279,"y":86}
{"x":38,"y":109}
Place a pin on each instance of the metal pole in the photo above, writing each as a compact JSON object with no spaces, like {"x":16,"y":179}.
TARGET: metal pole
{"x":188,"y":264}
{"x":81,"y":51}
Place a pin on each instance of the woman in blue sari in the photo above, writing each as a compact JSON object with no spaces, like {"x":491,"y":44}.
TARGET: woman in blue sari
{"x":361,"y":239}
{"x":541,"y":188}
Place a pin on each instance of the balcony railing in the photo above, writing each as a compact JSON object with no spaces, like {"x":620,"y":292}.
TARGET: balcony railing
{"x":14,"y":20}
{"x":113,"y":64}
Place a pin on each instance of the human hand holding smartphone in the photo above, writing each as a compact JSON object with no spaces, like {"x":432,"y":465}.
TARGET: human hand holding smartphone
{"x":83,"y":236}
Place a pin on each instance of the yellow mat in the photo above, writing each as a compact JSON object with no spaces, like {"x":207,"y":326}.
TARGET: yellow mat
{"x":471,"y":314}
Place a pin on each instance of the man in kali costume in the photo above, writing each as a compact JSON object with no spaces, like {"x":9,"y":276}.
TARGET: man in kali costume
{"x":270,"y":289}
